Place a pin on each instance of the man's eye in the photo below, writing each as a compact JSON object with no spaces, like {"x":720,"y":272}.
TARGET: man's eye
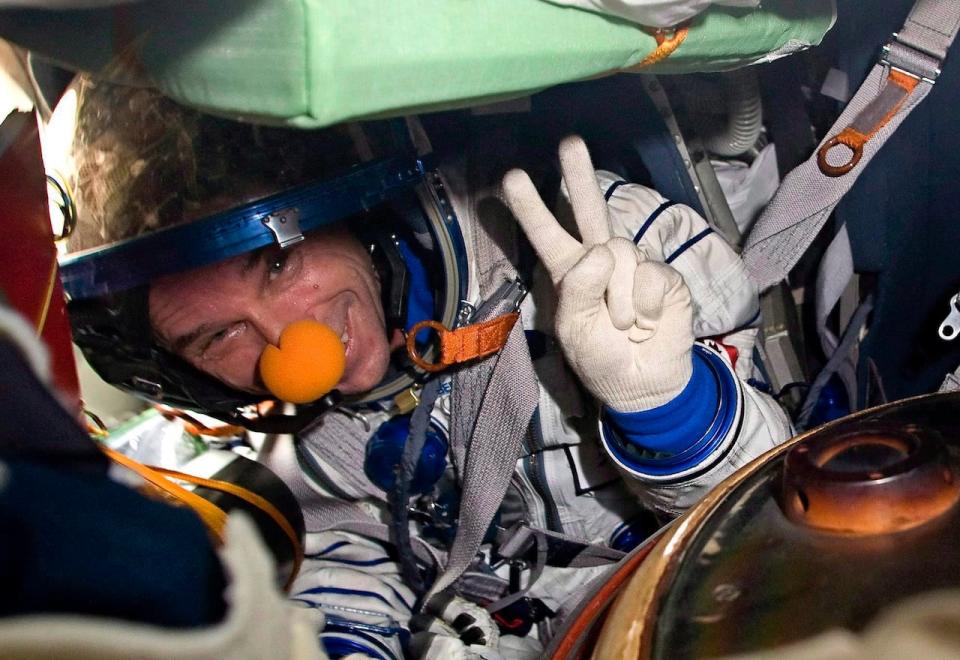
{"x":220,"y":336}
{"x":213,"y":340}
{"x":276,"y":262}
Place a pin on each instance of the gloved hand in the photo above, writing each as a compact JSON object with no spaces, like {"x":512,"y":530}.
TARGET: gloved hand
{"x":453,"y":627}
{"x":623,"y":320}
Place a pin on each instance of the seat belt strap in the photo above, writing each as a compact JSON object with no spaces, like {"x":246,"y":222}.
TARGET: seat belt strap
{"x":841,"y":362}
{"x":951,"y":383}
{"x":562,"y":550}
{"x":493,"y":404}
{"x":931,"y":27}
{"x":834,"y":276}
{"x":551,"y":549}
{"x":901,"y":79}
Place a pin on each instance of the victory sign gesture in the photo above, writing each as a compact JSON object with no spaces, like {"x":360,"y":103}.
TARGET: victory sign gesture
{"x":624,"y":321}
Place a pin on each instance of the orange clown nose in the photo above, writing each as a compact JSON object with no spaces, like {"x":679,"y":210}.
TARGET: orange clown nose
{"x":308,"y":364}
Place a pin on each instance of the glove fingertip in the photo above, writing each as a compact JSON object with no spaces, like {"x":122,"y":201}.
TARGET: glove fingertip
{"x":573,"y":147}
{"x":516,"y":187}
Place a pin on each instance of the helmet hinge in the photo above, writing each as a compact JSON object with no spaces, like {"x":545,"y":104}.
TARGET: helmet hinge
{"x":285,"y":226}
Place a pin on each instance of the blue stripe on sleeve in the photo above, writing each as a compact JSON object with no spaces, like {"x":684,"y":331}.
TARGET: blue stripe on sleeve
{"x":689,"y":244}
{"x":329,"y":548}
{"x":356,"y":627}
{"x":340,"y":647}
{"x":355,"y":562}
{"x":613,"y":187}
{"x":346,"y":592}
{"x":651,"y":219}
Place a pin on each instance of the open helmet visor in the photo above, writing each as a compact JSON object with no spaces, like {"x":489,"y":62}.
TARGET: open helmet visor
{"x":108,"y":285}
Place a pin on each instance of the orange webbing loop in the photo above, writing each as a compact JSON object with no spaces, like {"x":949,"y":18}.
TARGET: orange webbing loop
{"x":463,"y":344}
{"x":871,"y":119}
{"x":212,"y":516}
{"x":668,"y":40}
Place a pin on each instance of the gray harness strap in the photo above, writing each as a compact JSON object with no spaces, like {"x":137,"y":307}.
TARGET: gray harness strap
{"x":520,"y":540}
{"x":538,"y":538}
{"x":480,"y":586}
{"x":833,"y":277}
{"x":808,"y":195}
{"x":841,"y":356}
{"x":931,"y":27}
{"x":491,"y":414}
{"x":494,"y":400}
{"x":587,"y":555}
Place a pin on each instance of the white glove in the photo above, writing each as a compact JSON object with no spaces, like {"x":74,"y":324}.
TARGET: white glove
{"x":433,"y":646}
{"x":624,"y":322}
{"x":453,"y":627}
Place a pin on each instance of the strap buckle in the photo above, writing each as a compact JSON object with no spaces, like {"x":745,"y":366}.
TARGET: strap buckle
{"x":469,"y":341}
{"x":905,"y":68}
{"x":909,"y":60}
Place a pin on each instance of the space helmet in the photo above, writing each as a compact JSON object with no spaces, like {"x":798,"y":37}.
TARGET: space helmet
{"x":158,"y":189}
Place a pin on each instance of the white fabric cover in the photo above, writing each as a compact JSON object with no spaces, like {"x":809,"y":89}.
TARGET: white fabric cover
{"x":748,"y":188}
{"x":653,"y":13}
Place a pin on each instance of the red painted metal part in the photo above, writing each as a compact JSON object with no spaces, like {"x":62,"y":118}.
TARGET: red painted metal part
{"x":28,"y":258}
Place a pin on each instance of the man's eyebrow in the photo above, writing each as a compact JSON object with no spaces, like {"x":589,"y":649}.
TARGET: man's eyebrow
{"x":184,"y":341}
{"x":251,"y":261}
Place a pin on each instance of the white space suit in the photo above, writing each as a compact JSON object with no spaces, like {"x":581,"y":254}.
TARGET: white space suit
{"x":567,"y":480}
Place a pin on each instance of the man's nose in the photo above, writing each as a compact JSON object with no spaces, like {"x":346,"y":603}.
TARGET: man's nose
{"x":269,"y":323}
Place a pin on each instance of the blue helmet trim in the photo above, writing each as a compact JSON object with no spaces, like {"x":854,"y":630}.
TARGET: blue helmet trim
{"x":137,"y":261}
{"x":687,"y":454}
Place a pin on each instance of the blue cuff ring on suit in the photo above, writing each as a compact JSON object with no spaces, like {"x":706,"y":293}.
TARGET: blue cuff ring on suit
{"x":681,"y":433}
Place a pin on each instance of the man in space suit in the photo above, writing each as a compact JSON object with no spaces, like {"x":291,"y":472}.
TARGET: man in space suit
{"x":538,"y":466}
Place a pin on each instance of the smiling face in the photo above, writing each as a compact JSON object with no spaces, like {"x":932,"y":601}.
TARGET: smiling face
{"x":220,"y":317}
